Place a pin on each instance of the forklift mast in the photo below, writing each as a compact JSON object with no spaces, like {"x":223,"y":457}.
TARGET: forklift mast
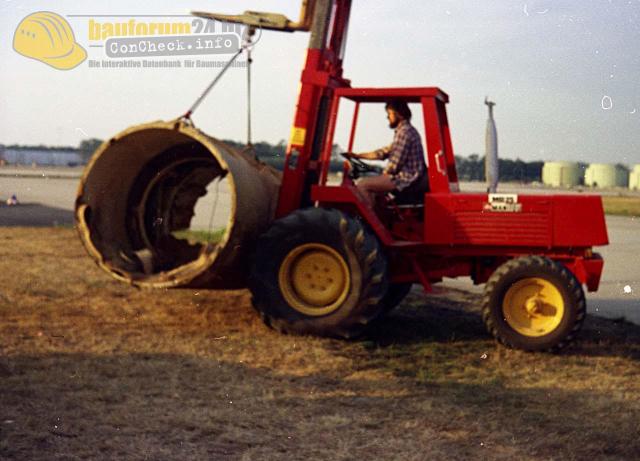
{"x":327,"y":20}
{"x":321,"y":75}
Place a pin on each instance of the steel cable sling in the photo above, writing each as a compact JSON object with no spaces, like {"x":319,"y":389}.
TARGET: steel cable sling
{"x":246,"y":46}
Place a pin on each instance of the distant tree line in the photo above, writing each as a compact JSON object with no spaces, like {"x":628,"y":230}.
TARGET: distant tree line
{"x":273,"y":154}
{"x":38,"y":147}
{"x":469,"y":168}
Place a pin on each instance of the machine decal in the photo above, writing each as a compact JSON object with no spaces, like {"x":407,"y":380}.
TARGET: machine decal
{"x":503,"y":202}
{"x":297,"y":136}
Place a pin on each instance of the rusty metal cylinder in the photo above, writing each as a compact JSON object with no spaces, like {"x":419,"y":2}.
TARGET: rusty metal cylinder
{"x":139,"y":191}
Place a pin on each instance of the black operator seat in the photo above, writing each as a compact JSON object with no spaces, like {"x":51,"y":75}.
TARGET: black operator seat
{"x":414,"y":194}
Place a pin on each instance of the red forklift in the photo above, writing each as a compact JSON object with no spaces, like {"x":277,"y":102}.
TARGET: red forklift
{"x":329,"y":264}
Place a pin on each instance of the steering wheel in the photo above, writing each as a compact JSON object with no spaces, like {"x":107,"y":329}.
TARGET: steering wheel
{"x":360,"y":168}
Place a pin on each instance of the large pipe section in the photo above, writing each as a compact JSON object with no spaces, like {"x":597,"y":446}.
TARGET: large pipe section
{"x":140,"y":188}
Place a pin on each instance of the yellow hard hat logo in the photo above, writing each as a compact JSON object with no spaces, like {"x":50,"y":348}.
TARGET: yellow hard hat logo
{"x":47,"y":37}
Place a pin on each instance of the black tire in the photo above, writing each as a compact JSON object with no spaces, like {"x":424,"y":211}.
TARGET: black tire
{"x":364,"y":262}
{"x":569,"y":321}
{"x":395,"y":295}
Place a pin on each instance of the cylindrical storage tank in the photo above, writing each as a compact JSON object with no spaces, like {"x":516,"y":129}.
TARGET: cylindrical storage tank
{"x":138,"y":195}
{"x":634,"y":178}
{"x":605,"y":175}
{"x":622,"y":177}
{"x":561,"y":174}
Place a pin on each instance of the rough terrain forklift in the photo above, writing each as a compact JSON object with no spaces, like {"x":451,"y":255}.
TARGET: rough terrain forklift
{"x":327,"y":264}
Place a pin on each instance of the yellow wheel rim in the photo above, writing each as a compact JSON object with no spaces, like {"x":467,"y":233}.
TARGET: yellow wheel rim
{"x":314,"y":279}
{"x":533,"y":307}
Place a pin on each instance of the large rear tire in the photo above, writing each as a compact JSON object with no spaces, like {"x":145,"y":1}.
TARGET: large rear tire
{"x":534,"y":304}
{"x":320,"y":272}
{"x":395,"y":295}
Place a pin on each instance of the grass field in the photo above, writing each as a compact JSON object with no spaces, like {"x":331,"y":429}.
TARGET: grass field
{"x":621,"y":205}
{"x":94,"y":369}
{"x":200,"y":236}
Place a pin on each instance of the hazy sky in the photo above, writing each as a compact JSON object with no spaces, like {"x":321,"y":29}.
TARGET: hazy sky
{"x":565,"y":75}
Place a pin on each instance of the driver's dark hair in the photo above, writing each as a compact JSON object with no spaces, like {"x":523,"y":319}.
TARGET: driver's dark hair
{"x":400,"y":107}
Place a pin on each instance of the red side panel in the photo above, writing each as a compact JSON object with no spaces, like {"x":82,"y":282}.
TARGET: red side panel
{"x":545,"y":221}
{"x":461,"y":219}
{"x":579,"y":221}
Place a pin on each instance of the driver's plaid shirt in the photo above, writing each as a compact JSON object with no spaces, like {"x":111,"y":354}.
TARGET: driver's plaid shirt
{"x":405,"y":154}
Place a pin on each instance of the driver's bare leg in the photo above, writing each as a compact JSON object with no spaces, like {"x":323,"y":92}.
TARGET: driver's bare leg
{"x":370,"y":185}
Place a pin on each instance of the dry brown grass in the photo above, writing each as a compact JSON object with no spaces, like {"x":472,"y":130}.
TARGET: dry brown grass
{"x":621,"y":205}
{"x":93,"y":369}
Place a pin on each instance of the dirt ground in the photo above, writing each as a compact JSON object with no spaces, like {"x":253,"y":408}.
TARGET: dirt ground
{"x":93,"y":369}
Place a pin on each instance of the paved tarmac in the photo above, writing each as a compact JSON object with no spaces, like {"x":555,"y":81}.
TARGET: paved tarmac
{"x":47,"y":197}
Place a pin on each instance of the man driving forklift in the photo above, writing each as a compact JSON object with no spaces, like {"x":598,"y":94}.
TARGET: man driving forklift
{"x":406,"y":169}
